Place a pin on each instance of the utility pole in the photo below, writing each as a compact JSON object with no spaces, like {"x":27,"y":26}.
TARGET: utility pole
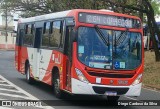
{"x":6,"y":28}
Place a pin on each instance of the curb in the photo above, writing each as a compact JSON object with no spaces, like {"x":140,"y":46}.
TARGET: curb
{"x":7,"y":50}
{"x":151,"y":87}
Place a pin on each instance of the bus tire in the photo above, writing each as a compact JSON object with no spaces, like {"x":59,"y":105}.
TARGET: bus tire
{"x":56,"y":85}
{"x":113,"y":98}
{"x":28,"y":77}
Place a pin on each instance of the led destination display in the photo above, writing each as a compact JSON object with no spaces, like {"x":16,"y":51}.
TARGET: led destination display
{"x":109,"y":20}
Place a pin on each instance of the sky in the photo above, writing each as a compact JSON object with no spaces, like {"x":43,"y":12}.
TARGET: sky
{"x":15,"y":22}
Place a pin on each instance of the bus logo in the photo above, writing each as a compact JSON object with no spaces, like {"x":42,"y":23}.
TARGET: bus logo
{"x":111,"y":81}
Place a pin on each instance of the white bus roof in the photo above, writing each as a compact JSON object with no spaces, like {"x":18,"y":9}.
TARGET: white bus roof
{"x":45,"y":17}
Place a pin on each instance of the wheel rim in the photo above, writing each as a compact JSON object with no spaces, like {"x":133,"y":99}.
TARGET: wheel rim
{"x":28,"y":74}
{"x":56,"y":85}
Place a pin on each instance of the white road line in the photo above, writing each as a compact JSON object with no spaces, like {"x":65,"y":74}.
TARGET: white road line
{"x":6,"y":108}
{"x":6,"y":85}
{"x":2,"y":99}
{"x":30,"y":97}
{"x":151,"y":90}
{"x":2,"y":89}
{"x":2,"y":82}
{"x":16,"y":96}
{"x":21,"y":90}
{"x":133,"y":99}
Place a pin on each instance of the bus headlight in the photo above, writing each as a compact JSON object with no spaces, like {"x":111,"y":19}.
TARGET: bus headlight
{"x":80,"y":75}
{"x":137,"y":80}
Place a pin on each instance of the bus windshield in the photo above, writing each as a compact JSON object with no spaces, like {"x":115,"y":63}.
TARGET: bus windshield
{"x":113,"y":50}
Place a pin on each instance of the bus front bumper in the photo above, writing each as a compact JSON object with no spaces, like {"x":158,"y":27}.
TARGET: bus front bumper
{"x":79,"y":87}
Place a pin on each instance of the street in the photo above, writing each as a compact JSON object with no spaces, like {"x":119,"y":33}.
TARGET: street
{"x":13,"y":86}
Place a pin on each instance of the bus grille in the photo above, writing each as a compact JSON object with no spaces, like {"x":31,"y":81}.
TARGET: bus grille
{"x":102,"y":90}
{"x":108,"y":75}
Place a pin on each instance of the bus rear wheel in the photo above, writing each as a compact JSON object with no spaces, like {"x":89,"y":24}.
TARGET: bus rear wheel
{"x":56,"y":85}
{"x":27,"y":72}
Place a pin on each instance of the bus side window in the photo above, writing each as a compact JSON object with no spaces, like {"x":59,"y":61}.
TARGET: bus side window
{"x":17,"y":38}
{"x":20,"y":35}
{"x":55,"y":37}
{"x":46,"y":34}
{"x":28,"y":38}
{"x":62,"y":35}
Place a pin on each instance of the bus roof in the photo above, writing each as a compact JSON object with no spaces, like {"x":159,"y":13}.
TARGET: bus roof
{"x":70,"y":13}
{"x":45,"y":17}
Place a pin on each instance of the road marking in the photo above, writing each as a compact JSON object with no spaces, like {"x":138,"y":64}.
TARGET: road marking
{"x":21,"y":90}
{"x":6,"y":85}
{"x":1,"y":81}
{"x":16,"y":96}
{"x":29,"y":96}
{"x":7,"y":108}
{"x":131,"y":98}
{"x":2,"y":89}
{"x":151,"y":90}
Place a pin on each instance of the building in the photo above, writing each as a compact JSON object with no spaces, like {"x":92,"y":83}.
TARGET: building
{"x":7,"y":39}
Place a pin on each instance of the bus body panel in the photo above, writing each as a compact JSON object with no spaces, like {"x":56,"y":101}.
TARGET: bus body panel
{"x":79,"y":87}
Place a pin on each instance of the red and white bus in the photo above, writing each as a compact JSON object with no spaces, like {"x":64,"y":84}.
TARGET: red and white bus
{"x":93,"y":52}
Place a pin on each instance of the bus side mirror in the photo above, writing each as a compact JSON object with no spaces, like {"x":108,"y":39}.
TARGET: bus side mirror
{"x":70,"y":22}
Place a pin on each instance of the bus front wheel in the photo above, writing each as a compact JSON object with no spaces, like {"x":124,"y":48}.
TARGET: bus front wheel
{"x":56,"y":83}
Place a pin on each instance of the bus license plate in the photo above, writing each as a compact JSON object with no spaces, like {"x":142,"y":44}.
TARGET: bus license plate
{"x":111,"y":93}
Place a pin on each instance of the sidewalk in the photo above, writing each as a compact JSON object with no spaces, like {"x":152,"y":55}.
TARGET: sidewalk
{"x":151,"y":87}
{"x":7,"y":49}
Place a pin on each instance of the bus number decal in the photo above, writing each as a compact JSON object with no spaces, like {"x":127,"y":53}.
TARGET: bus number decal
{"x":58,"y":59}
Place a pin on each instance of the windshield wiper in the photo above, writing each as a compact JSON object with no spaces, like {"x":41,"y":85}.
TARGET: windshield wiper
{"x":120,"y":38}
{"x":102,"y":36}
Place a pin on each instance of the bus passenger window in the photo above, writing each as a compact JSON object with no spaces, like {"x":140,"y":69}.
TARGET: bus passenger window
{"x":33,"y":29}
{"x":28,"y":38}
{"x":56,"y":34}
{"x":28,"y":29}
{"x":46,"y":33}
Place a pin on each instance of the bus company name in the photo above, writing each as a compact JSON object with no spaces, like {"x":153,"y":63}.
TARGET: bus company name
{"x":109,"y":20}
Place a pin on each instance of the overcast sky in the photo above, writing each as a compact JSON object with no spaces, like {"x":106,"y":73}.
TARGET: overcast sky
{"x":15,"y":17}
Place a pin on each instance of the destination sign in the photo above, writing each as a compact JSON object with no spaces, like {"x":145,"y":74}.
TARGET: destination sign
{"x":109,"y":20}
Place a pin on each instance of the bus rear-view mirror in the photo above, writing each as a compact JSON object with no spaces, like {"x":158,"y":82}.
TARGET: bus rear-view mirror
{"x":70,"y":22}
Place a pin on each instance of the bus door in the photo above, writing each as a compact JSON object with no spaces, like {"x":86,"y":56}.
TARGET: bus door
{"x":69,"y":37}
{"x":36,"y":52}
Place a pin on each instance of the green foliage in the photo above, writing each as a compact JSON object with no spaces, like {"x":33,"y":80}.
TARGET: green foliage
{"x":36,"y":7}
{"x":156,"y":6}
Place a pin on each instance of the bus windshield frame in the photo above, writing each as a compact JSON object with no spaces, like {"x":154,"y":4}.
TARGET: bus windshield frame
{"x":120,"y":42}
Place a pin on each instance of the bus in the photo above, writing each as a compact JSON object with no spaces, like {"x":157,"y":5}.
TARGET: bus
{"x":82,"y":52}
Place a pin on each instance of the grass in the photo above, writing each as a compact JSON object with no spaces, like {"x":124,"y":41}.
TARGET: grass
{"x":151,"y":74}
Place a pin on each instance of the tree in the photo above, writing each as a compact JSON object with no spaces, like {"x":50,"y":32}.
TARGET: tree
{"x":6,"y":9}
{"x":133,"y":7}
{"x":153,"y":27}
{"x":144,"y":6}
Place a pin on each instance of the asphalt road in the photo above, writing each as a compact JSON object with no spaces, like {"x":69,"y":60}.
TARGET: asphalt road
{"x":45,"y":92}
